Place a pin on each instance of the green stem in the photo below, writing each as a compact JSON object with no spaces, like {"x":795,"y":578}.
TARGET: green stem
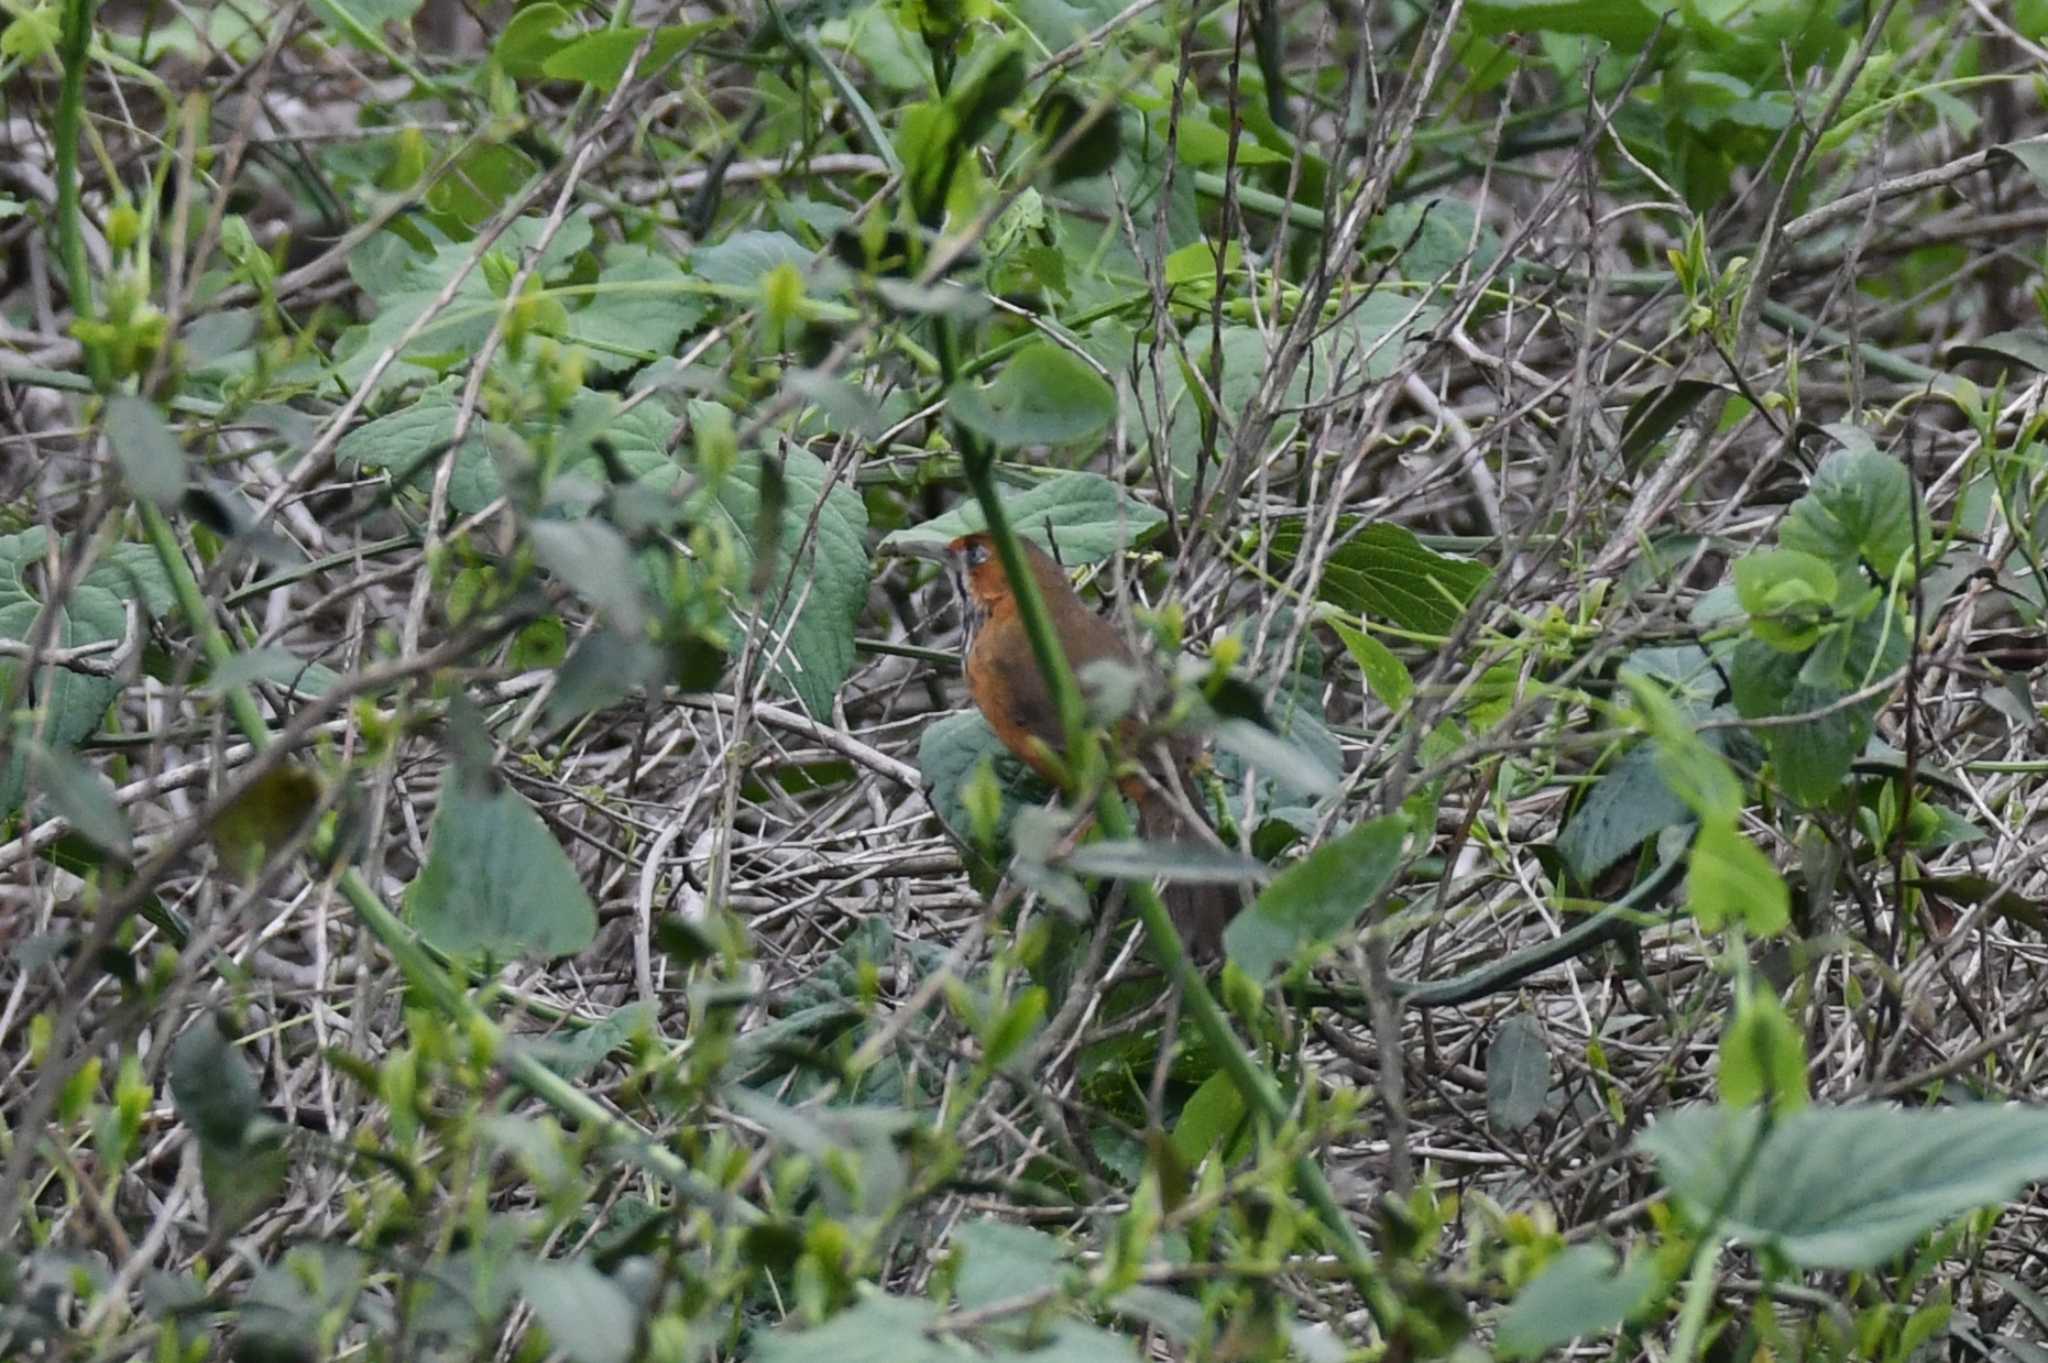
{"x":68,"y":130}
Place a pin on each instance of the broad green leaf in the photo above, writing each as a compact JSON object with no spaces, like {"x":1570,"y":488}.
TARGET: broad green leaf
{"x":1580,"y":1292}
{"x":1384,"y":572}
{"x":1731,"y":881}
{"x":1627,"y":24}
{"x":878,"y":1329}
{"x":592,"y":559}
{"x":80,"y":794}
{"x":1517,"y":1075}
{"x":1318,"y":897}
{"x":948,"y":753}
{"x":1787,"y":594}
{"x":1044,"y":396}
{"x":1812,"y":757}
{"x":1762,"y":1057}
{"x":1081,"y":517}
{"x":1630,"y":804}
{"x":73,"y":703}
{"x":1277,"y":756}
{"x":744,"y":259}
{"x":2028,"y":348}
{"x":532,"y":35}
{"x":1385,"y":676}
{"x":496,"y":882}
{"x":149,"y":455}
{"x":636,"y":306}
{"x":1845,"y":1187}
{"x":211,"y":1085}
{"x":999,"y":1260}
{"x":1179,"y":862}
{"x":821,"y":590}
{"x":586,"y":1314}
{"x":599,"y":59}
{"x":1208,"y":1118}
{"x":1429,"y":239}
{"x":414,"y":438}
{"x":1862,"y":507}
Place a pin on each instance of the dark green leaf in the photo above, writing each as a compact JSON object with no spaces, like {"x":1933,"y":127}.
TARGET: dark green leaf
{"x":1845,"y":1187}
{"x":1384,"y":572}
{"x":2026,"y":348}
{"x":1630,"y":804}
{"x":593,"y":560}
{"x":1517,"y":1075}
{"x":83,"y":797}
{"x":149,"y":455}
{"x":211,"y":1085}
{"x":1044,"y":396}
{"x":1862,"y":507}
{"x":999,"y":1260}
{"x":1081,"y":517}
{"x":1318,"y":897}
{"x":586,"y":1315}
{"x":496,"y":882}
{"x":1652,"y":416}
{"x":1627,"y":24}
{"x":1578,"y":1293}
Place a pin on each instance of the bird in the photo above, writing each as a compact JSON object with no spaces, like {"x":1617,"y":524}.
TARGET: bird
{"x":1005,"y":683}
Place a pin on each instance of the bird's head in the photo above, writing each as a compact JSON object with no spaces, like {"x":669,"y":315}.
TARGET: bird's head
{"x":976,"y":573}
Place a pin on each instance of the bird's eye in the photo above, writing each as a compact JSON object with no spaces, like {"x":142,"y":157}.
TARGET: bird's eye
{"x":977,"y":554}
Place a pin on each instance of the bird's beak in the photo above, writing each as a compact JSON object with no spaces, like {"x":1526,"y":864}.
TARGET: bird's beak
{"x":935,"y":550}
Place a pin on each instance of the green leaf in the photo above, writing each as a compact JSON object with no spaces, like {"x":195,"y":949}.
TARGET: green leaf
{"x":637,"y":306}
{"x":1578,"y":1293}
{"x":1208,"y":1118}
{"x":948,"y":753}
{"x":2027,"y":348}
{"x":1318,"y":897}
{"x":81,"y":795}
{"x":880,"y":1329}
{"x":1812,"y":758}
{"x":149,"y":455}
{"x":1731,"y":881}
{"x":211,"y":1085}
{"x":1762,"y":1058}
{"x":1630,"y":804}
{"x":1862,"y":506}
{"x":1385,"y":676}
{"x":827,"y":582}
{"x":1787,"y":594}
{"x":1181,"y":862}
{"x":593,"y":560}
{"x":586,"y":1314}
{"x":72,"y":703}
{"x":1286,"y":761}
{"x":1845,"y":1187}
{"x":1084,"y":517}
{"x":744,"y":259}
{"x":1517,"y":1075}
{"x":496,"y":882}
{"x":999,"y":1261}
{"x":1627,"y":24}
{"x":1384,"y":572}
{"x":1044,"y":396}
{"x":599,"y":59}
{"x":532,"y":35}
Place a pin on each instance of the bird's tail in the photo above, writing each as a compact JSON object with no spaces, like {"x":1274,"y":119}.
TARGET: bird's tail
{"x":1200,"y":911}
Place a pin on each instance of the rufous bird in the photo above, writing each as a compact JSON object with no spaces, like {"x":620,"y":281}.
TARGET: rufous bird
{"x":1012,"y":694}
